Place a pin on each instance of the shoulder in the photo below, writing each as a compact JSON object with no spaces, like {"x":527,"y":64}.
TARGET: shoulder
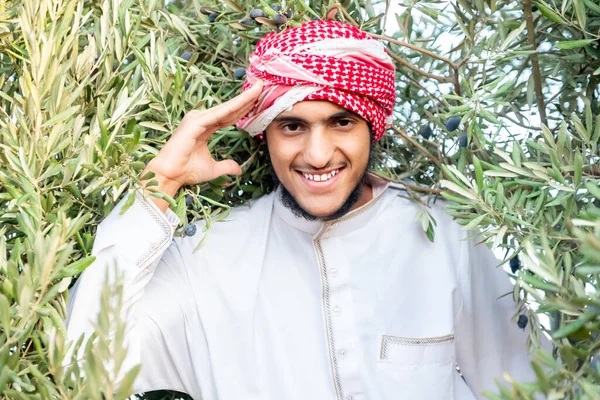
{"x":239,"y":225}
{"x":247,"y":215}
{"x":403,"y":215}
{"x":397,"y":201}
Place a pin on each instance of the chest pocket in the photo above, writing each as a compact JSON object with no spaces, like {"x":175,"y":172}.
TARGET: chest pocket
{"x":418,"y":368}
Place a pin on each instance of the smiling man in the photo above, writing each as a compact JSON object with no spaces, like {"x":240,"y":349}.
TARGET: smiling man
{"x":325,"y":289}
{"x":320,"y":153}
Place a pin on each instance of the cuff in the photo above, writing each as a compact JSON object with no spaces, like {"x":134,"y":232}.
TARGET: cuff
{"x":139,"y":233}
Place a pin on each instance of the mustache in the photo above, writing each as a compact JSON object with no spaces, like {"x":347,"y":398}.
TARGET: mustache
{"x":311,"y":168}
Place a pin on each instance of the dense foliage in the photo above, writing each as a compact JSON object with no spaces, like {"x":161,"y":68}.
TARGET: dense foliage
{"x":497,"y":110}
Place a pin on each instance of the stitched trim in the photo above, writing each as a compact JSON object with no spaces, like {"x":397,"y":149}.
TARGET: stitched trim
{"x":386,"y":340}
{"x":325,"y":281}
{"x":164,"y":225}
{"x":329,"y":323}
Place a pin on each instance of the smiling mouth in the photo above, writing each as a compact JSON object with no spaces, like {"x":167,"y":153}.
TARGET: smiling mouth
{"x":321,"y":177}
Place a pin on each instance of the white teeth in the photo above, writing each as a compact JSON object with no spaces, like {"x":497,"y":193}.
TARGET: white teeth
{"x":321,"y":178}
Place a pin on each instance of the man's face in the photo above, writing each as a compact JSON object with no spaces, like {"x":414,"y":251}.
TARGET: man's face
{"x":320,"y":153}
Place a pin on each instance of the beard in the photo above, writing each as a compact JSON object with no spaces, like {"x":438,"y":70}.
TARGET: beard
{"x":290,"y":202}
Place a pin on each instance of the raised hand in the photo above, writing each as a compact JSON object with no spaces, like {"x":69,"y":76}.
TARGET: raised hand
{"x":185,"y":158}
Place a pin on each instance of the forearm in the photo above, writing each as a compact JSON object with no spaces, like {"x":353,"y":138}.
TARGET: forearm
{"x":132,"y":243}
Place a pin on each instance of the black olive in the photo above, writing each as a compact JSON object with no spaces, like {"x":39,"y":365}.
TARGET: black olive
{"x":452,"y":123}
{"x":522,"y":322}
{"x":239,"y":73}
{"x":463,"y":140}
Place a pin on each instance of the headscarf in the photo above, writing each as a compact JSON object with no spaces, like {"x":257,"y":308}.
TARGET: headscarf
{"x":321,"y":60}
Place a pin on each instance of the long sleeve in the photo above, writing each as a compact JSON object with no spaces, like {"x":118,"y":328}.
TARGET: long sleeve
{"x":489,"y":342}
{"x":134,"y":242}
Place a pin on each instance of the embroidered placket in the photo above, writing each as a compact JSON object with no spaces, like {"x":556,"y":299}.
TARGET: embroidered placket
{"x":338,"y":316}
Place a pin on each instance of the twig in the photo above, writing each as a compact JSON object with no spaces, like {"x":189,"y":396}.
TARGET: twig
{"x":408,"y":65}
{"x":340,"y":8}
{"x":418,"y":146}
{"x":245,"y":164}
{"x":555,"y":95}
{"x":415,"y":48}
{"x":249,"y":160}
{"x":455,"y":67}
{"x":456,"y":83}
{"x":467,"y":57}
{"x":411,"y":186}
{"x":535,"y":65}
{"x":387,"y":9}
{"x":423,"y":88}
{"x":516,"y":122}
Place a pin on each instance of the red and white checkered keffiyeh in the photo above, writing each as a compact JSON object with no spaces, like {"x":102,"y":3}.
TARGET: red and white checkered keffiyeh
{"x":321,"y":60}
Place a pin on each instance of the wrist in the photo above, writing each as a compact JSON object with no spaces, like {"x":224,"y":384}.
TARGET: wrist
{"x":161,"y":184}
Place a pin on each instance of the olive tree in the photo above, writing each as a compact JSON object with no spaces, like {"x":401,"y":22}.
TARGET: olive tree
{"x":497,"y":113}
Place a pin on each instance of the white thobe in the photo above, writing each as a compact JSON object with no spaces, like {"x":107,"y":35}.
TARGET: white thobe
{"x":277,"y":307}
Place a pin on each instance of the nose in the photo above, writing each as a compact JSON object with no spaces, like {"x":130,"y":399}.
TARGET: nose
{"x":319,"y":148}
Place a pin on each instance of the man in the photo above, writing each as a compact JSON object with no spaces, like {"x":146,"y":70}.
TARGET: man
{"x":325,"y":289}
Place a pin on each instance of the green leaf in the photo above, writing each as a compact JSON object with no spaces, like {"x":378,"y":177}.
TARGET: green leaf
{"x":75,"y":267}
{"x":594,"y":188}
{"x":235,"y":5}
{"x":577,"y":167}
{"x":592,"y":6}
{"x":499,"y":237}
{"x":585,"y":270}
{"x":512,"y":36}
{"x":474,"y":223}
{"x":154,"y":125}
{"x":63,"y":116}
{"x":478,"y":173}
{"x":540,"y":284}
{"x":4,"y":313}
{"x":457,"y":189}
{"x":580,"y":12}
{"x":570,"y":328}
{"x":574,"y":44}
{"x":457,"y":199}
{"x":547,"y":12}
{"x":542,"y":378}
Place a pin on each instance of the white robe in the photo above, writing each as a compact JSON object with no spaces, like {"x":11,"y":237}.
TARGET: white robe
{"x":277,"y":307}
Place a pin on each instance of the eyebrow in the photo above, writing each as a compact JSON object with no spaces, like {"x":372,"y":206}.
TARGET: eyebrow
{"x":339,"y":115}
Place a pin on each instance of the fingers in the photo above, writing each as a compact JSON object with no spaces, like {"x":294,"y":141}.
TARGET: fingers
{"x":204,"y":123}
{"x":226,"y":167}
{"x":240,"y":105}
{"x":231,"y":111}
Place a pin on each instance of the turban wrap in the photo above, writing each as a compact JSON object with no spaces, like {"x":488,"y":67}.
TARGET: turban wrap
{"x":321,"y":60}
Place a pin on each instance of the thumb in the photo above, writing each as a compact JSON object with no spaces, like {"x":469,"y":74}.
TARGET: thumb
{"x":227,"y":167}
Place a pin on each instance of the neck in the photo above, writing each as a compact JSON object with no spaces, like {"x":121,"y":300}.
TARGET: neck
{"x":365,"y":196}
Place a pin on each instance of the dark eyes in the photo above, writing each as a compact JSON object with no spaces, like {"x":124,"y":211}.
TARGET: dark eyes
{"x":296,"y":127}
{"x":291,"y":127}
